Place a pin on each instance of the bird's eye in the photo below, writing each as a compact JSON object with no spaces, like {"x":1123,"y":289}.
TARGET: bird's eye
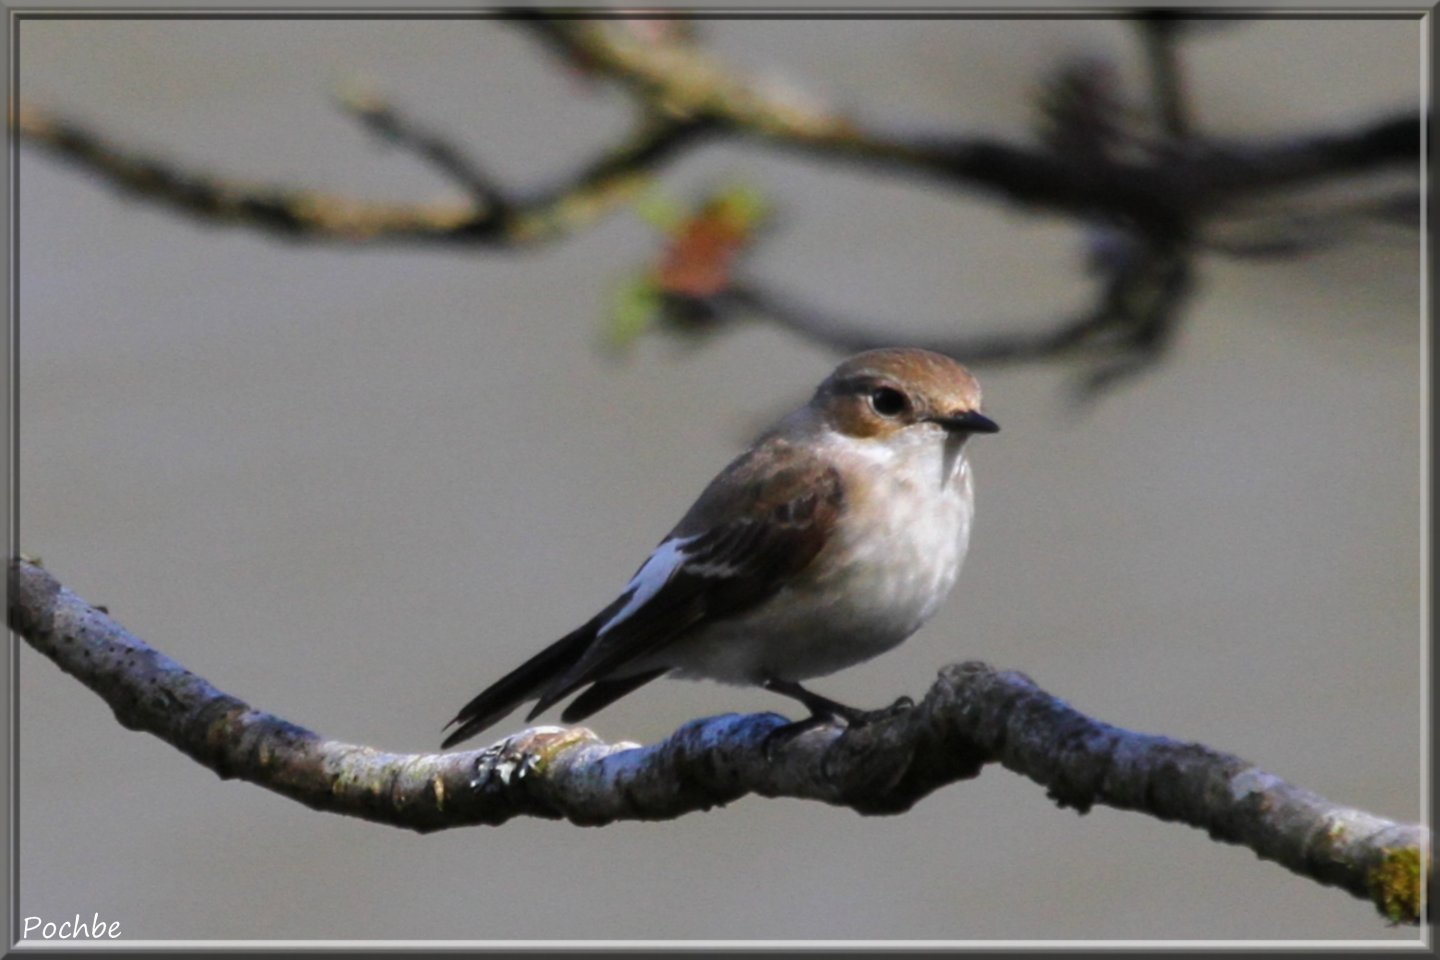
{"x":888,"y":402}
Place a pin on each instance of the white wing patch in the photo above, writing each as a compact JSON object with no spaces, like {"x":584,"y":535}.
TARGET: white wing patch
{"x":668,"y":558}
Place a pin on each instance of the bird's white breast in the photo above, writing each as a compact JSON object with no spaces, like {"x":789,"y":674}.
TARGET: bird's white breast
{"x":890,"y":562}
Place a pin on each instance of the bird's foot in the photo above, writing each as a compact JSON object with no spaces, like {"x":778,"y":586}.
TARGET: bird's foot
{"x":849,"y":717}
{"x":824,"y":711}
{"x":859,"y":718}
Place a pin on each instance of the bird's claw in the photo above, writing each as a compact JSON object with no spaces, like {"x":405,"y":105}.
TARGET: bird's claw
{"x":901,"y":705}
{"x":848,"y":717}
{"x":861,"y":718}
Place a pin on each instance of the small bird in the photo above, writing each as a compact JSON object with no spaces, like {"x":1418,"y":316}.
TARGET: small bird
{"x":831,"y":540}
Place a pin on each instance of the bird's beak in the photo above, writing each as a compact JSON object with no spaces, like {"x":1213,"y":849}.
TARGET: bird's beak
{"x":971,"y":421}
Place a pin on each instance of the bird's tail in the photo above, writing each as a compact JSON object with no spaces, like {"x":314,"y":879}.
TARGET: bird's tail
{"x":521,"y":684}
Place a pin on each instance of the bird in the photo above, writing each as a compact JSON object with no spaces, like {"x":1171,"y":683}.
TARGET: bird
{"x":829,"y":541}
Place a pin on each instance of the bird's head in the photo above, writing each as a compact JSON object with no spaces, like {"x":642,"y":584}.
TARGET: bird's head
{"x":883,"y":394}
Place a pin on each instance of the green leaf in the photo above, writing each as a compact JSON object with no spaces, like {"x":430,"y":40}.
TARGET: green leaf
{"x":745,"y":205}
{"x":634,"y":308}
{"x":660,"y":210}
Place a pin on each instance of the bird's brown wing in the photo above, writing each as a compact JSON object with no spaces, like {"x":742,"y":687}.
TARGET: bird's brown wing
{"x":759,"y":523}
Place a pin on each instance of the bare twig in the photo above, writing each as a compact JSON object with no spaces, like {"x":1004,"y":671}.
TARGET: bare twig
{"x":447,"y":157}
{"x":1286,"y":230}
{"x":489,"y":218}
{"x":692,"y":94}
{"x":853,"y":335}
{"x":973,"y":715}
{"x":1158,"y":199}
{"x":1128,"y":328}
{"x":682,"y":80}
{"x":1160,"y":32}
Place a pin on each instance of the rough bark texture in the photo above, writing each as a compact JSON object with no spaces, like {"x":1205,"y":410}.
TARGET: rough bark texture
{"x":971,"y":716}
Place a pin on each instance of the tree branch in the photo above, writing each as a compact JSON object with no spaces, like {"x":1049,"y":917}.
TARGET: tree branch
{"x":490,"y":218}
{"x":1159,"y":33}
{"x":680,"y":79}
{"x":1148,"y":205}
{"x":390,"y":124}
{"x":972,"y":715}
{"x":1128,"y":327}
{"x":683,"y":92}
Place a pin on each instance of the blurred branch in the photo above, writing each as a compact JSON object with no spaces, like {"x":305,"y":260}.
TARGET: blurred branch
{"x":1160,"y":33}
{"x":686,"y":93}
{"x":1284,"y":230}
{"x":1148,"y":195}
{"x":680,"y":79}
{"x":387,"y":122}
{"x":1131,"y":322}
{"x":1149,"y":201}
{"x":489,"y":218}
{"x":972,"y":716}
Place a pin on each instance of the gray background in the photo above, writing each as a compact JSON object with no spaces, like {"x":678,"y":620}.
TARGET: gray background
{"x":352,"y":486}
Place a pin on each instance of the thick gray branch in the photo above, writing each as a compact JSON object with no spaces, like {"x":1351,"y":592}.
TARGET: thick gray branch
{"x":973,"y":715}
